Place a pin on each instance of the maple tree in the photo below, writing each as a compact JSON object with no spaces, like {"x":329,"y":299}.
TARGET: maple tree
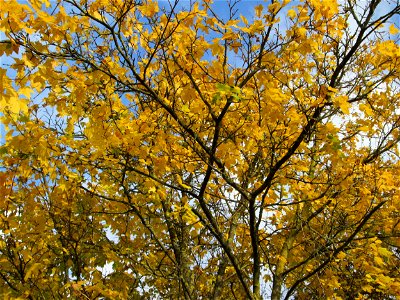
{"x":177,"y":151}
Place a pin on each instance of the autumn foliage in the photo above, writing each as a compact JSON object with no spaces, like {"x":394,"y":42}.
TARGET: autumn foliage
{"x":199,"y":150}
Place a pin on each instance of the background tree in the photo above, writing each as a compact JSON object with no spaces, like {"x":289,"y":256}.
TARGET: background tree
{"x":195,"y":151}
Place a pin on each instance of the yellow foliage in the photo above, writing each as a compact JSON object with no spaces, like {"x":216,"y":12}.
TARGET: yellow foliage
{"x":183,"y":150}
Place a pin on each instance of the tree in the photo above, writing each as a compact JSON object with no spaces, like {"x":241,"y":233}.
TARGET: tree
{"x":186,"y":151}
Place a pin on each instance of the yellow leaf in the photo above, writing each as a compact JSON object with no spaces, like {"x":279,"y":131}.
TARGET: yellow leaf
{"x":244,"y":20}
{"x":185,"y":109}
{"x":149,"y":9}
{"x":291,"y":13}
{"x":274,"y":7}
{"x":331,"y":89}
{"x":341,"y":101}
{"x":341,"y":255}
{"x":367,"y":288}
{"x":32,"y":270}
{"x":258,"y":10}
{"x":393,"y":29}
{"x":302,"y":31}
{"x":379,"y":260}
{"x":181,"y":184}
{"x":216,"y":48}
{"x":235,"y":45}
{"x":47,"y":18}
{"x":364,"y":128}
{"x":366,"y":109}
{"x":384,"y":252}
{"x":345,"y":107}
{"x":97,"y":15}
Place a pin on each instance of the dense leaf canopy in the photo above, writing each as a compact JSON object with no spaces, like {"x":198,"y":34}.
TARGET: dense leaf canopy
{"x":199,"y":150}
